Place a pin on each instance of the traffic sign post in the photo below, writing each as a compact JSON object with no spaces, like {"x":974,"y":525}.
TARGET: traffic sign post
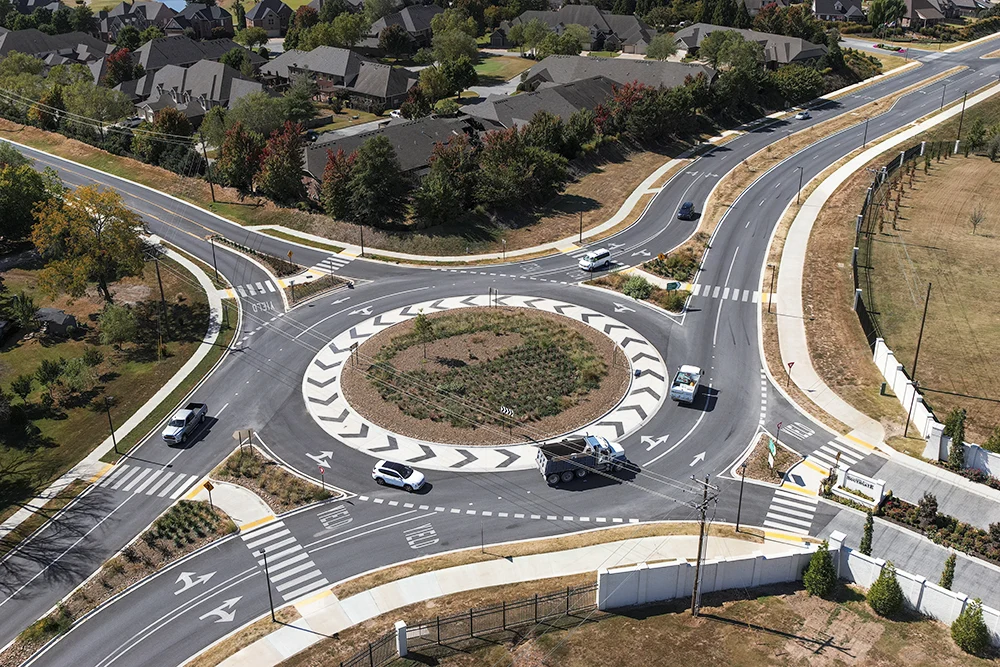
{"x":777,"y":436}
{"x":208,"y":487}
{"x":788,"y":376}
{"x":322,"y":477}
{"x":770,"y":447}
{"x":770,"y":460}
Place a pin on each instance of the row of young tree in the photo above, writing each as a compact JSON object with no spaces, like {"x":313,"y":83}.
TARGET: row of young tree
{"x":62,"y":20}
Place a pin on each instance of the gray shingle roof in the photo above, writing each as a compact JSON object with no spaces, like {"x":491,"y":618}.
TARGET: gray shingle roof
{"x":413,"y":141}
{"x":183,"y":87}
{"x":628,"y":28}
{"x":181,"y":50}
{"x":204,"y":12}
{"x":656,"y":73}
{"x":777,"y":48}
{"x":359,"y":74}
{"x":75,"y":46}
{"x":845,"y":9}
{"x":414,"y":19}
{"x":264,"y":6}
{"x":378,"y":80}
{"x":561,"y":100}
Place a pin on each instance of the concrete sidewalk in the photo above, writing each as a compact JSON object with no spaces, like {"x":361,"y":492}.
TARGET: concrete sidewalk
{"x":242,"y":505}
{"x":325,"y":614}
{"x":91,"y":467}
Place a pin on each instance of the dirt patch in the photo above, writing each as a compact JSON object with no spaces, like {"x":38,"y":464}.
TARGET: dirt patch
{"x":758,"y":466}
{"x":472,"y":374}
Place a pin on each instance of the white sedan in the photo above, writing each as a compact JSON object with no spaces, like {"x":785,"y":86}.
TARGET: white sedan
{"x":803,"y":115}
{"x":390,"y":473}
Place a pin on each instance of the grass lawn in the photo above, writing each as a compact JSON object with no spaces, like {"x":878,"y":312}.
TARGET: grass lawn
{"x":277,"y":233}
{"x":493,"y":70}
{"x":888,"y":60}
{"x":933,"y":242}
{"x":604,"y":54}
{"x":347,"y":118}
{"x":64,"y":433}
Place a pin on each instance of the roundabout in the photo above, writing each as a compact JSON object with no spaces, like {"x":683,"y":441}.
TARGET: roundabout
{"x":639,"y":393}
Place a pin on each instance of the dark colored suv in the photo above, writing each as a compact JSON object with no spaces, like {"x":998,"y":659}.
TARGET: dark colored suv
{"x":686,"y":211}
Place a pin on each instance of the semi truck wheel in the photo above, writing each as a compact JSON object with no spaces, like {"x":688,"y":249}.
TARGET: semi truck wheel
{"x":567,"y":476}
{"x":552,"y":479}
{"x":581,"y":473}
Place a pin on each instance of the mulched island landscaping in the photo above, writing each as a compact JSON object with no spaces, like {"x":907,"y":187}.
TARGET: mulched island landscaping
{"x":444,"y":377}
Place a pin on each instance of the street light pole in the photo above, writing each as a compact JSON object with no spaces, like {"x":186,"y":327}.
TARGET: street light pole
{"x":215,"y":264}
{"x":799,"y":193}
{"x":916,"y":357}
{"x":267,"y":579}
{"x":739,"y":508}
{"x":943,"y":90}
{"x":362,"y":229}
{"x":581,"y":227}
{"x":107,"y":406}
{"x":770,"y":294}
{"x":864,"y":141}
{"x":961,"y":118}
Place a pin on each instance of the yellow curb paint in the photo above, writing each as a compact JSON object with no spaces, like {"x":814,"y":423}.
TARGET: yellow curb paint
{"x":193,"y":493}
{"x":799,"y":489}
{"x":315,"y":598}
{"x":860,"y":442}
{"x":104,"y":471}
{"x":783,"y":537}
{"x":258,"y":522}
{"x":230,"y":294}
{"x":569,"y":248}
{"x":809,"y":464}
{"x":349,"y":253}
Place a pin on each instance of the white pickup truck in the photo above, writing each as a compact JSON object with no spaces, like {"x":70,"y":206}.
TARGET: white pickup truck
{"x":184,"y":422}
{"x":685,"y":385}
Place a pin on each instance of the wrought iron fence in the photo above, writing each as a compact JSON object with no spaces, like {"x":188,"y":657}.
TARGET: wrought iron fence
{"x":506,"y":616}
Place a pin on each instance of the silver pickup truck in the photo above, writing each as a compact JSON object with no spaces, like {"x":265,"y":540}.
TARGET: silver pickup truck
{"x":184,"y":422}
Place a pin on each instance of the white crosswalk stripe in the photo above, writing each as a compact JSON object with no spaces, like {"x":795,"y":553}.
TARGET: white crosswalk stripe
{"x":292,"y":572}
{"x":254,"y":289}
{"x":333,"y":263}
{"x":791,"y":512}
{"x":827,"y":454}
{"x":148,"y":481}
{"x":726,"y":293}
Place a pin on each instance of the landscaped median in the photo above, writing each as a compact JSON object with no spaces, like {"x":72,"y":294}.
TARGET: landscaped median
{"x":466,"y":578}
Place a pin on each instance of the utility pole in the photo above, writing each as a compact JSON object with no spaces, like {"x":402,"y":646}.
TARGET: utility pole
{"x":107,"y":406}
{"x":961,"y":118}
{"x":916,"y":357}
{"x":208,"y":166}
{"x":215,"y":265}
{"x":770,"y":295}
{"x":702,"y":509}
{"x":581,"y":227}
{"x":798,"y":194}
{"x":362,"y":228}
{"x":864,"y":141}
{"x":739,"y":507}
{"x":943,"y":90}
{"x":163,"y":298}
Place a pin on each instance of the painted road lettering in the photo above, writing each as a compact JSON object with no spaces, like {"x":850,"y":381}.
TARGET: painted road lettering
{"x":798,"y":430}
{"x":335,"y":517}
{"x":421,"y":536}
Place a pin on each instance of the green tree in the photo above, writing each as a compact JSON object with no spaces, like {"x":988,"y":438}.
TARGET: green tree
{"x":48,"y":373}
{"x":579,"y":130}
{"x":331,"y":9}
{"x":78,"y":376}
{"x":378,"y":185}
{"x":87,"y":236}
{"x":376,"y":9}
{"x":662,"y":47}
{"x":305,"y":17}
{"x":881,"y":13}
{"x":240,"y":158}
{"x":969,"y":630}
{"x":977,"y":134}
{"x":454,"y":19}
{"x":725,"y":12}
{"x":21,"y":189}
{"x":512,"y":172}
{"x":797,"y":83}
{"x":22,"y":386}
{"x":149,"y":141}
{"x":454,"y":44}
{"x":395,"y":41}
{"x":239,"y":17}
{"x":98,"y":103}
{"x":866,"y":539}
{"x":128,"y":38}
{"x":298,"y":99}
{"x":259,"y":112}
{"x":22,"y":309}
{"x":349,"y":29}
{"x":948,"y":574}
{"x":706,"y":11}
{"x":992,"y":443}
{"x":715,"y":47}
{"x":927,"y":509}
{"x":251,"y":37}
{"x":461,"y":74}
{"x":83,"y":19}
{"x":448,"y":187}
{"x":546,"y":131}
{"x":834,"y":55}
{"x":580,"y":34}
{"x":446,"y":107}
{"x":424,"y":329}
{"x":954,"y":428}
{"x":151,"y":33}
{"x":743,"y":20}
{"x":533,"y":33}
{"x":820,"y":577}
{"x":280,"y":175}
{"x":885,"y":597}
{"x":92,"y":356}
{"x":118,"y":325}
{"x":434,"y":83}
{"x":235,"y":58}
{"x":335,"y":190}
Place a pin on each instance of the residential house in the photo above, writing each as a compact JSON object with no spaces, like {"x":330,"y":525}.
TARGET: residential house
{"x":562,"y":100}
{"x":161,"y":52}
{"x":355,"y":6}
{"x":608,"y":32}
{"x":567,"y":69}
{"x":194,"y":90}
{"x":364,"y":83}
{"x":778,"y":49}
{"x":271,"y":15}
{"x":70,"y":47}
{"x":140,"y":15}
{"x":202,"y":20}
{"x":839,"y":10}
{"x":413,"y":140}
{"x":416,"y":20}
{"x":29,"y":6}
{"x":920,"y":13}
{"x":754,"y":6}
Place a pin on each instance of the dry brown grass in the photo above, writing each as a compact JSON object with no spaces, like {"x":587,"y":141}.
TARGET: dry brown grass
{"x":395,"y":573}
{"x":933,"y":241}
{"x":244,"y":638}
{"x":757,"y":465}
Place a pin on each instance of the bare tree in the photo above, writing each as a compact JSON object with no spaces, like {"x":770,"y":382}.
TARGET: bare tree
{"x":976,"y":218}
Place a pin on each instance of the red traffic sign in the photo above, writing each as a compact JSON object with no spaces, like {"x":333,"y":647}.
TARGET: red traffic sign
{"x":779,"y":425}
{"x":321,"y":471}
{"x":790,"y":364}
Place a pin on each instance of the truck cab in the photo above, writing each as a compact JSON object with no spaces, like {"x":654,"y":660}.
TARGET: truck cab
{"x":184,"y":422}
{"x":577,"y":457}
{"x":684,"y":388}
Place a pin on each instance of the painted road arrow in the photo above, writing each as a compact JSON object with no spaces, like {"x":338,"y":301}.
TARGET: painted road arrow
{"x":467,"y":458}
{"x":367,"y":310}
{"x":322,"y":384}
{"x":511,"y":457}
{"x":342,"y":418}
{"x":388,"y":448}
{"x":428,"y":454}
{"x":327,"y":401}
{"x":322,"y":459}
{"x":186,"y":577}
{"x":619,"y":308}
{"x":334,"y":303}
{"x":653,"y":442}
{"x":220,"y":611}
{"x":325,"y":367}
{"x":700,"y":457}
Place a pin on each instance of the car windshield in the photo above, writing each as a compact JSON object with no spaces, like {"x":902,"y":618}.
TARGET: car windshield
{"x":685,"y":378}
{"x":404,"y":471}
{"x":176,"y":422}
